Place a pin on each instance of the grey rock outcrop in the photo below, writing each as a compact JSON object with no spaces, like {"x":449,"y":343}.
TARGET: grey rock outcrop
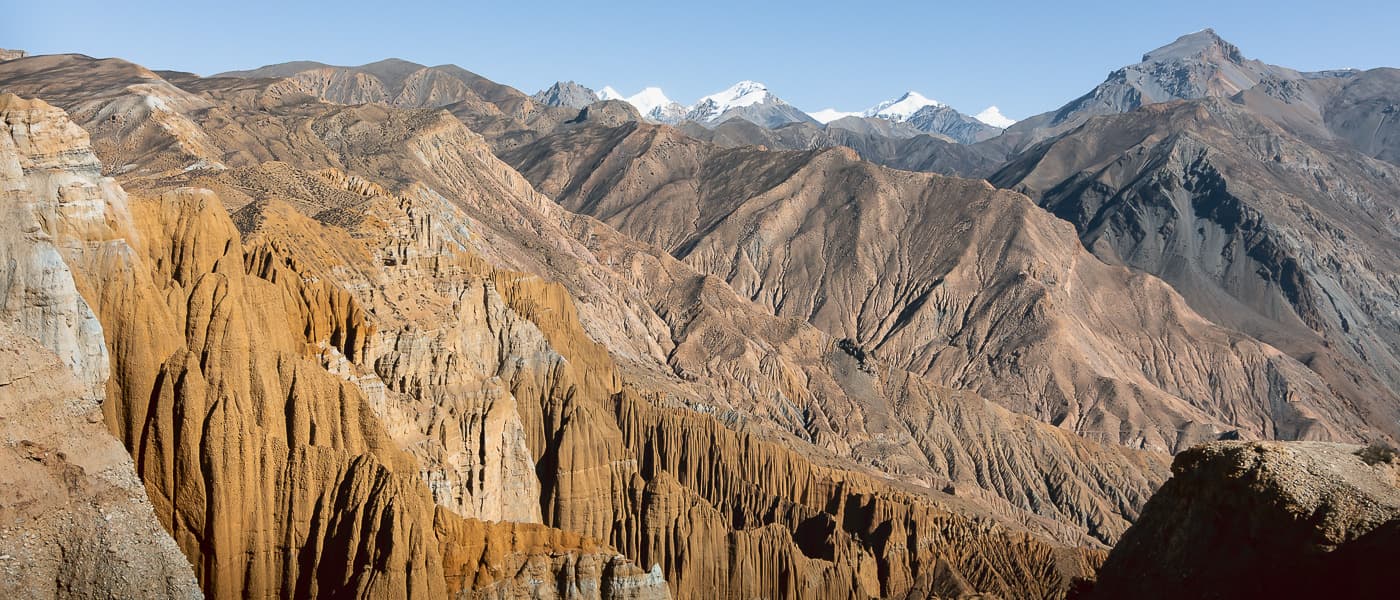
{"x":944,"y":120}
{"x":609,"y":113}
{"x":566,"y":94}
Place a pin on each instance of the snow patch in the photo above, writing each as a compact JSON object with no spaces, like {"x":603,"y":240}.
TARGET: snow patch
{"x":155,"y":103}
{"x":828,"y":115}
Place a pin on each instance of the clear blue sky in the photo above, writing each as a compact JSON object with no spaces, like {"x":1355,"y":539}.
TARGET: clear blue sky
{"x":1026,"y":57}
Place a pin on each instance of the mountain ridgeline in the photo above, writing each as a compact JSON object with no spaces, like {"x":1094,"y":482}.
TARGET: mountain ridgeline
{"x":398,"y":330}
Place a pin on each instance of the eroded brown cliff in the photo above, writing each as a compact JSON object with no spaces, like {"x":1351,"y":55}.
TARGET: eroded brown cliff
{"x":273,"y":475}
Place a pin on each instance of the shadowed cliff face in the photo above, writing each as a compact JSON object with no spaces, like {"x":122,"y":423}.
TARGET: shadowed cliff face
{"x":1259,"y":230}
{"x":1264,"y":520}
{"x":947,"y":278}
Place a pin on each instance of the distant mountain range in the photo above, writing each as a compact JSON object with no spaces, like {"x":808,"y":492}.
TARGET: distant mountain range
{"x":754,"y":102}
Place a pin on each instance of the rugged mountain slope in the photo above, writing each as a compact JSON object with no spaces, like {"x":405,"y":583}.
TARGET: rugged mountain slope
{"x":949,"y":279}
{"x":391,"y":81}
{"x":500,"y":112}
{"x":746,"y":114}
{"x":384,"y":253}
{"x":590,"y":277}
{"x":1291,"y":243}
{"x":1264,"y":520}
{"x":1365,"y":112}
{"x":1198,"y":65}
{"x":722,"y":378}
{"x":1331,"y":109}
{"x":136,"y":116}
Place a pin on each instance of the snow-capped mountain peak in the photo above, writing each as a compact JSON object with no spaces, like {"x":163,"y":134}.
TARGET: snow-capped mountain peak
{"x":745,"y":93}
{"x":902,"y":108}
{"x":992,"y":116}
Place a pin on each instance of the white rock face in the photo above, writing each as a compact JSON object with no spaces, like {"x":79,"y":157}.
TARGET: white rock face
{"x":50,"y":188}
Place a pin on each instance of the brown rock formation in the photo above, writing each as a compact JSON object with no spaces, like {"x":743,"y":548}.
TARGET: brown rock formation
{"x":514,"y":227}
{"x":681,"y":341}
{"x":1264,"y":520}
